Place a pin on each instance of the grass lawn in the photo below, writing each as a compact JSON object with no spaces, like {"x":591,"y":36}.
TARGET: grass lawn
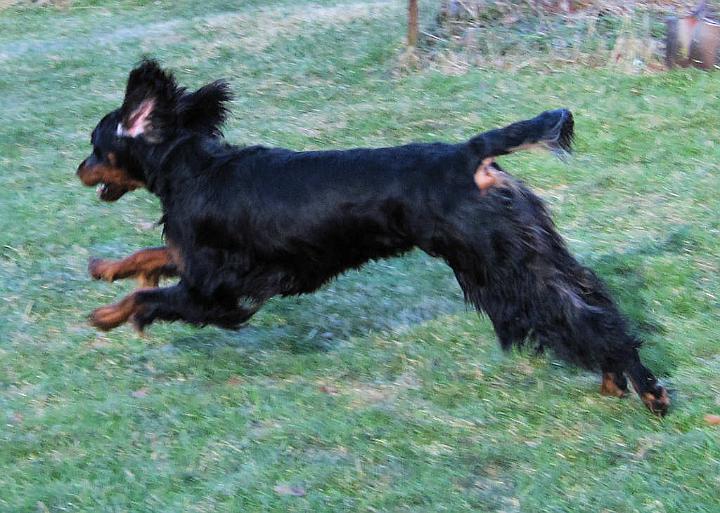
{"x":382,"y":392}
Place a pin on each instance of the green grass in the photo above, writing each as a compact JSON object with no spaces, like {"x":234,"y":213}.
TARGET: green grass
{"x":381,"y":392}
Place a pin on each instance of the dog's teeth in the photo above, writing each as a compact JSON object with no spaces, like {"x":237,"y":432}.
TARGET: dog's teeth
{"x":100,"y":188}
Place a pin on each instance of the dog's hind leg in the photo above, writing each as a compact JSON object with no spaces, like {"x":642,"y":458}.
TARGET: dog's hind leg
{"x":509,"y":318}
{"x":614,"y":383}
{"x":592,"y":335}
{"x":646,"y":385}
{"x":147,"y":266}
{"x":144,"y":306}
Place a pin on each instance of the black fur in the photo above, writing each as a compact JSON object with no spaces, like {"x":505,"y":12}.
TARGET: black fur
{"x":247,"y":224}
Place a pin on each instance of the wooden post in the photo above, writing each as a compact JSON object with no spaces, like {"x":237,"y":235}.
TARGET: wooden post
{"x":693,"y":40}
{"x":412,"y":34}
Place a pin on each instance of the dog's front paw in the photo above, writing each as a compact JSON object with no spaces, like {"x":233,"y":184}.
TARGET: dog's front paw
{"x":104,"y":318}
{"x":657,"y":401}
{"x":101,"y":269}
{"x":109,"y":317}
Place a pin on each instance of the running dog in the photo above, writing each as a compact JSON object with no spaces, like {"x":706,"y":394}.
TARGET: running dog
{"x":244,"y":224}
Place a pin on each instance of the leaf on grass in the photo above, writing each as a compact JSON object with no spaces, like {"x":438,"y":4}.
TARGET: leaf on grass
{"x":294,"y":491}
{"x":146,"y":225}
{"x":99,"y":343}
{"x":329,"y":389}
{"x":140,"y":393}
{"x":713,"y":420}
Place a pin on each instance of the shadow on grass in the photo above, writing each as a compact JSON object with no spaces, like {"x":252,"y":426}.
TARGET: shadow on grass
{"x":393,"y":296}
{"x":625,"y":276}
{"x":387,"y":296}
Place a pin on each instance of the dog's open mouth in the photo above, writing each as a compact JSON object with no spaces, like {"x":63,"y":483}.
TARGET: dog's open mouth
{"x":110,"y":191}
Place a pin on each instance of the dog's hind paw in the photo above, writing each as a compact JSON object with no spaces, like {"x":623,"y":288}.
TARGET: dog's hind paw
{"x":611,"y":387}
{"x":657,"y":401}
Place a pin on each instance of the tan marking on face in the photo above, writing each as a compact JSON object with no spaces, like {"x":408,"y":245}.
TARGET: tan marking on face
{"x":108,"y":174}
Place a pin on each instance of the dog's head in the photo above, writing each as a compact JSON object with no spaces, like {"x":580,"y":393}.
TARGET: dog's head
{"x":155,"y":111}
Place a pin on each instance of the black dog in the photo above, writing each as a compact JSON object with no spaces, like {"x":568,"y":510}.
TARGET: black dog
{"x":245,"y":224}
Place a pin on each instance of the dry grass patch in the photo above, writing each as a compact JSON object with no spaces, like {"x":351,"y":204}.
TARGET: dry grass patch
{"x":255,"y":32}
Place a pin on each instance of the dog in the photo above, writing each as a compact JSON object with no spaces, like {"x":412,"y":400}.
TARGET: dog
{"x":244,"y":224}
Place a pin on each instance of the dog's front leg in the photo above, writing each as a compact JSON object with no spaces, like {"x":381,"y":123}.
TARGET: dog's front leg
{"x":108,"y":317}
{"x":144,"y":306}
{"x":147,"y":266}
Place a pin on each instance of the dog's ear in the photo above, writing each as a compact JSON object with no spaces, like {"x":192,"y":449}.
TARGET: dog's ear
{"x":150,"y":98}
{"x":205,"y":110}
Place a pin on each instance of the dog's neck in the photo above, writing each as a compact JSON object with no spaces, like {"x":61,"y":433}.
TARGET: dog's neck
{"x":157,"y":162}
{"x":165,"y":164}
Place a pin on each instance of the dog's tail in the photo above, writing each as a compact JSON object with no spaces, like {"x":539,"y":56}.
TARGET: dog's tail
{"x":552,"y":130}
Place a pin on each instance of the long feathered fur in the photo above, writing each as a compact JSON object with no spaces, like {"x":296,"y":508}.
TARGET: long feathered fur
{"x":246,"y":224}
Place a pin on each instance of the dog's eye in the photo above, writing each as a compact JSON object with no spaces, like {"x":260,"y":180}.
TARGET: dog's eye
{"x":97,"y":154}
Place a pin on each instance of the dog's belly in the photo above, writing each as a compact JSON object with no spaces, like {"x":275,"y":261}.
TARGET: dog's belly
{"x":313,"y":264}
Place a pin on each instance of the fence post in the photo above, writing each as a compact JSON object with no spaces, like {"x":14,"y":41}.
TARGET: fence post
{"x":412,"y":34}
